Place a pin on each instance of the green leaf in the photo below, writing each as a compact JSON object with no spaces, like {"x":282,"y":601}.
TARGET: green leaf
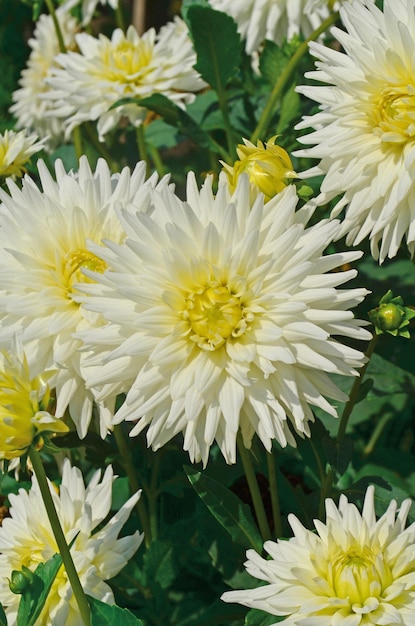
{"x":3,"y":618}
{"x":103,"y":614}
{"x":159,"y":564}
{"x":255,"y":617}
{"x":231,"y":513}
{"x":34,"y":596}
{"x":338,"y":455}
{"x":290,"y":110}
{"x":217,"y":45}
{"x":272,"y":62}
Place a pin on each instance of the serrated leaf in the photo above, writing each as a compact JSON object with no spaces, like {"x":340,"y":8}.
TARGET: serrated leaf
{"x":272,"y":61}
{"x":231,"y":513}
{"x":217,"y":44}
{"x":103,"y":614}
{"x":35,"y":595}
{"x":159,"y":564}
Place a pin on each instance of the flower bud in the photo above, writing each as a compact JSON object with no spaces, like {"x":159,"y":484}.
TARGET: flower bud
{"x":268,"y":166}
{"x":391,"y":316}
{"x":20,"y":580}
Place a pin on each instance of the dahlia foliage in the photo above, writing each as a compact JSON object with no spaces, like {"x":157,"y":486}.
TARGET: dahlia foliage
{"x":207,"y":231}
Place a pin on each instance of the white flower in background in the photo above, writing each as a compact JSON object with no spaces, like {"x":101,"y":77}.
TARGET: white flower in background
{"x":221,"y":316}
{"x":43,"y":250}
{"x":89,"y":6}
{"x":87,"y":84}
{"x":354,"y":570}
{"x":16,"y":150}
{"x":29,"y":108}
{"x":26,"y":538}
{"x":365,"y":132}
{"x":276,"y":20}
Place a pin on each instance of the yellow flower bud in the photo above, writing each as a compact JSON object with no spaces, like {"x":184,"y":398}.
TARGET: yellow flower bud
{"x":268,"y":166}
{"x":23,"y":405}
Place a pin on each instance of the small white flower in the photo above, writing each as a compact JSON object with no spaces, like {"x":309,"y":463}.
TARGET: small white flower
{"x":29,"y":108}
{"x":365,"y":132}
{"x":276,"y":20}
{"x":354,"y":570}
{"x":221,"y":316}
{"x":43,"y":252}
{"x":26,"y":538}
{"x":16,"y":150}
{"x":87,"y":84}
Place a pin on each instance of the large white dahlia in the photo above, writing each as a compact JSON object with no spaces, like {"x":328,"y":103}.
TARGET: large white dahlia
{"x":43,"y":250}
{"x":353,"y":571}
{"x":276,"y":20}
{"x":221,"y":318}
{"x":365,"y":132}
{"x":29,"y":108}
{"x":86,"y":84}
{"x":26,"y":539}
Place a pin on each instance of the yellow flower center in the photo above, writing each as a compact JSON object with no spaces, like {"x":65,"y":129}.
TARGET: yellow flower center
{"x":127,"y":61}
{"x":395,"y":115}
{"x":74,"y":262}
{"x":215,"y":314}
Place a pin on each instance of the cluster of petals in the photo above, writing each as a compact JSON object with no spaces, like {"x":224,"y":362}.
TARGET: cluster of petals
{"x":44,"y":232}
{"x":85,"y":85}
{"x":353,"y":570}
{"x":223,"y":316}
{"x":16,"y":150}
{"x":364,"y":134}
{"x":26,"y":539}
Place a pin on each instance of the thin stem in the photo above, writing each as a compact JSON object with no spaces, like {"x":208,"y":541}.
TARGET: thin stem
{"x":152,"y":495}
{"x":142,"y":147}
{"x":157,"y":160}
{"x":354,"y":393}
{"x":99,"y":146}
{"x":285,"y":76}
{"x":128,"y":465}
{"x":254,"y":490}
{"x":223,"y":105}
{"x":275,"y":500}
{"x":77,"y":142}
{"x":51,"y":9}
{"x":59,"y":536}
{"x":326,"y":486}
{"x":119,"y":17}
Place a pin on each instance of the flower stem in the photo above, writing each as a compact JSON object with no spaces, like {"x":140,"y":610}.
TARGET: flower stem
{"x":127,"y":463}
{"x":254,"y":490}
{"x":51,"y":9}
{"x":223,"y":105}
{"x":59,"y":536}
{"x":354,"y":393}
{"x":275,"y":500}
{"x":285,"y":76}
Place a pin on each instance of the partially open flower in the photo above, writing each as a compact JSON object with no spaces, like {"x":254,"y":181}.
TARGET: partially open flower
{"x":268,"y":166}
{"x":15,"y":152}
{"x":23,"y":405}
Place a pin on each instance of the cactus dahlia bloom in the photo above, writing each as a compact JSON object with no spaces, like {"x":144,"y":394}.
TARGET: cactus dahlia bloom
{"x":268,"y":166}
{"x":354,"y":570}
{"x":26,"y":539}
{"x":221,"y":318}
{"x":364,"y":135}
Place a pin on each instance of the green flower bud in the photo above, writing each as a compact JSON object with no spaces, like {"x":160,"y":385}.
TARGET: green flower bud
{"x":20,"y":580}
{"x":391,"y":316}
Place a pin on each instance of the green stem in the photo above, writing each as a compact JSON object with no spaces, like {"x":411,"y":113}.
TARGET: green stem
{"x":51,"y":9}
{"x":59,"y":536}
{"x":223,"y":105}
{"x":285,"y":76}
{"x":99,"y":146}
{"x":157,"y":160}
{"x":152,"y":495}
{"x":119,"y":17}
{"x":128,"y":465}
{"x":142,"y":147}
{"x":354,"y":393}
{"x":77,"y":142}
{"x":254,"y":490}
{"x":275,"y":500}
{"x":326,"y":486}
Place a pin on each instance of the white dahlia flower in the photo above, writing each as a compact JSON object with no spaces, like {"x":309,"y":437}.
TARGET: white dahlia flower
{"x":87,"y":84}
{"x":15,"y":151}
{"x":221,"y":318}
{"x":43,"y":250}
{"x":276,"y":20}
{"x":365,"y":132}
{"x":353,"y":571}
{"x":26,"y":539}
{"x":29,"y":108}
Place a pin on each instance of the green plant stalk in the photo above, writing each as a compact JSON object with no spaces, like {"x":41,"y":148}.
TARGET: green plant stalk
{"x":269,"y":110}
{"x":254,"y":490}
{"x":157,"y":160}
{"x":77,"y":142}
{"x":59,"y":536}
{"x":128,"y":465}
{"x":223,"y":105}
{"x":119,"y":17}
{"x":51,"y":9}
{"x":275,"y":499}
{"x":99,"y":146}
{"x":152,"y":496}
{"x":354,"y":393}
{"x":142,"y":147}
{"x":326,"y":486}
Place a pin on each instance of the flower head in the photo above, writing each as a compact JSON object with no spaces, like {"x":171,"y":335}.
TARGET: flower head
{"x":26,"y":539}
{"x":44,"y":234}
{"x":220,"y":318}
{"x":268,"y":166}
{"x":24,"y":403}
{"x":87,"y":84}
{"x":353,"y":570}
{"x":15,"y":151}
{"x":29,"y":108}
{"x":365,"y":134}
